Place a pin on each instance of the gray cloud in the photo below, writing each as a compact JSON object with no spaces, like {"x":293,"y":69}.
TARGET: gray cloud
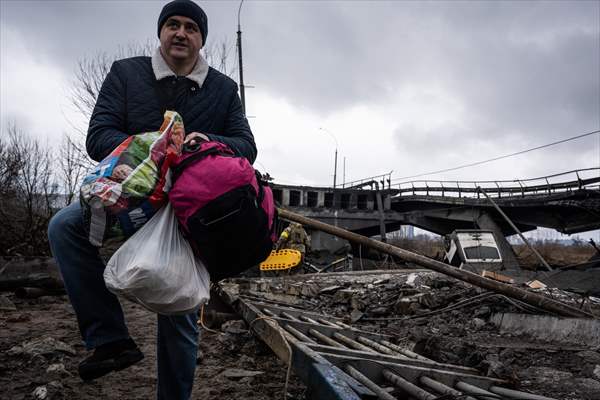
{"x":523,"y":73}
{"x":526,"y":73}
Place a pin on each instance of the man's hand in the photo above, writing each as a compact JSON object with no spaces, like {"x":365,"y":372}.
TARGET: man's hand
{"x":195,"y":138}
{"x":121,"y":172}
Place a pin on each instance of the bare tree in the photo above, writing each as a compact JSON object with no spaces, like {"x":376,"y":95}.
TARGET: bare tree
{"x":71,"y":168}
{"x":91,"y":71}
{"x":10,"y":164}
{"x":27,"y":201}
{"x":217,"y":55}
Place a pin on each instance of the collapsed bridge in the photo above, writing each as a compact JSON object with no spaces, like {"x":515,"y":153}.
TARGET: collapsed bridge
{"x":568,"y":202}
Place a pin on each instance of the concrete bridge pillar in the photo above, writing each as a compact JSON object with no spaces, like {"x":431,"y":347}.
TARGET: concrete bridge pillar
{"x":509,"y":258}
{"x":285,"y":197}
{"x":323,"y":241}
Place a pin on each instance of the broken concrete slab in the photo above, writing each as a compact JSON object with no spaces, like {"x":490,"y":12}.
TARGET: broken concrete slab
{"x":344,"y":295}
{"x":57,"y":370}
{"x":330,"y":289}
{"x":45,"y":346}
{"x":356,"y":315}
{"x":589,"y":356}
{"x":577,"y":331}
{"x":596,"y":372}
{"x":235,"y":327}
{"x":462,"y":333}
{"x":236,"y":373}
{"x":497,"y":276}
{"x":535,"y":284}
{"x":6,"y":304}
{"x":544,"y":374}
{"x":47,"y":392}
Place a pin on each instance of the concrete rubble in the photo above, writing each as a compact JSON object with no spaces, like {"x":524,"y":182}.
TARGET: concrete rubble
{"x":44,"y":346}
{"x":449,"y":321}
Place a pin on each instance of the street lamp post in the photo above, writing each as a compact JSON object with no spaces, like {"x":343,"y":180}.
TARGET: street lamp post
{"x":241,"y":69}
{"x":335,"y":158}
{"x":344,"y":174}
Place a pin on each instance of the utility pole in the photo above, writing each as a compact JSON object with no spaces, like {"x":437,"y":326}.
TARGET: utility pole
{"x":344,"y":174}
{"x":335,"y":168}
{"x":241,"y":69}
{"x":336,"y":151}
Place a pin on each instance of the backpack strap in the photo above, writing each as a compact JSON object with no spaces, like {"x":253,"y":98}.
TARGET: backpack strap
{"x":177,"y":169}
{"x":260,"y":183}
{"x":261,"y":194}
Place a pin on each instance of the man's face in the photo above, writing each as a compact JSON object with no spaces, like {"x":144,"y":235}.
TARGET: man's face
{"x":180,"y":39}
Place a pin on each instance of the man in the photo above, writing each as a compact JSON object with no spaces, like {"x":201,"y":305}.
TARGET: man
{"x":294,"y":237}
{"x":133,"y":98}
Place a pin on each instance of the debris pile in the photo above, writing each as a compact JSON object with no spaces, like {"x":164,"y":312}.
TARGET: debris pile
{"x":449,"y":321}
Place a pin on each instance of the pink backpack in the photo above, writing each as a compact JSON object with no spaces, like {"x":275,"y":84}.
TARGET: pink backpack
{"x":224,"y":208}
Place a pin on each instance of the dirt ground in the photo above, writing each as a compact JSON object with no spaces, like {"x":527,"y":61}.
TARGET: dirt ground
{"x":40,"y":345}
{"x":223,"y":357}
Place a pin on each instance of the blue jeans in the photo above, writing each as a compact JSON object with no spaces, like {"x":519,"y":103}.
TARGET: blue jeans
{"x":99,"y":312}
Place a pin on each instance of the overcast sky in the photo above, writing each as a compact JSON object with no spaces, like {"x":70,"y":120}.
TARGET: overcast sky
{"x":405,"y":86}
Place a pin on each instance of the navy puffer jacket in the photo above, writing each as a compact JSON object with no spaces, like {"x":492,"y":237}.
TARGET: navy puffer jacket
{"x":131,"y":101}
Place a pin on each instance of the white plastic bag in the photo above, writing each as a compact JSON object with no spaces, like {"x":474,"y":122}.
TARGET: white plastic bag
{"x":157,"y":269}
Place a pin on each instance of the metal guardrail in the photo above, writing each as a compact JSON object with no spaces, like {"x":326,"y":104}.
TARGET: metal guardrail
{"x":588,"y":178}
{"x":384,"y":179}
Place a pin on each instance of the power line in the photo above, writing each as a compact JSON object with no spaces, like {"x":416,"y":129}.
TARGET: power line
{"x":499,"y":157}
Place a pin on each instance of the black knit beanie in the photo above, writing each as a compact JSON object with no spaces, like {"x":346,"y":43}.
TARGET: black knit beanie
{"x":185,"y":8}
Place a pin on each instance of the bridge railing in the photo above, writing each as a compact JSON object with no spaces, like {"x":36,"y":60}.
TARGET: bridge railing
{"x":588,"y":178}
{"x":385,"y":180}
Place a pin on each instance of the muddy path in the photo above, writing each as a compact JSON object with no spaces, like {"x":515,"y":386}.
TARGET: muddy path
{"x":232,"y":365}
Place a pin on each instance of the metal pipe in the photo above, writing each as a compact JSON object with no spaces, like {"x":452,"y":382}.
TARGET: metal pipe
{"x":325,"y":339}
{"x":441,"y":388}
{"x":325,"y":322}
{"x":299,"y":334}
{"x":406,"y":352}
{"x":538,"y":255}
{"x":309,"y":320}
{"x":408,"y":387}
{"x":352,"y":343}
{"x":530,"y":298}
{"x":378,"y":390}
{"x":269,"y":312}
{"x":468,"y":388}
{"x":412,"y":355}
{"x":380,"y":348}
{"x":343,"y":325}
{"x":288,"y":316}
{"x":516,"y":394}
